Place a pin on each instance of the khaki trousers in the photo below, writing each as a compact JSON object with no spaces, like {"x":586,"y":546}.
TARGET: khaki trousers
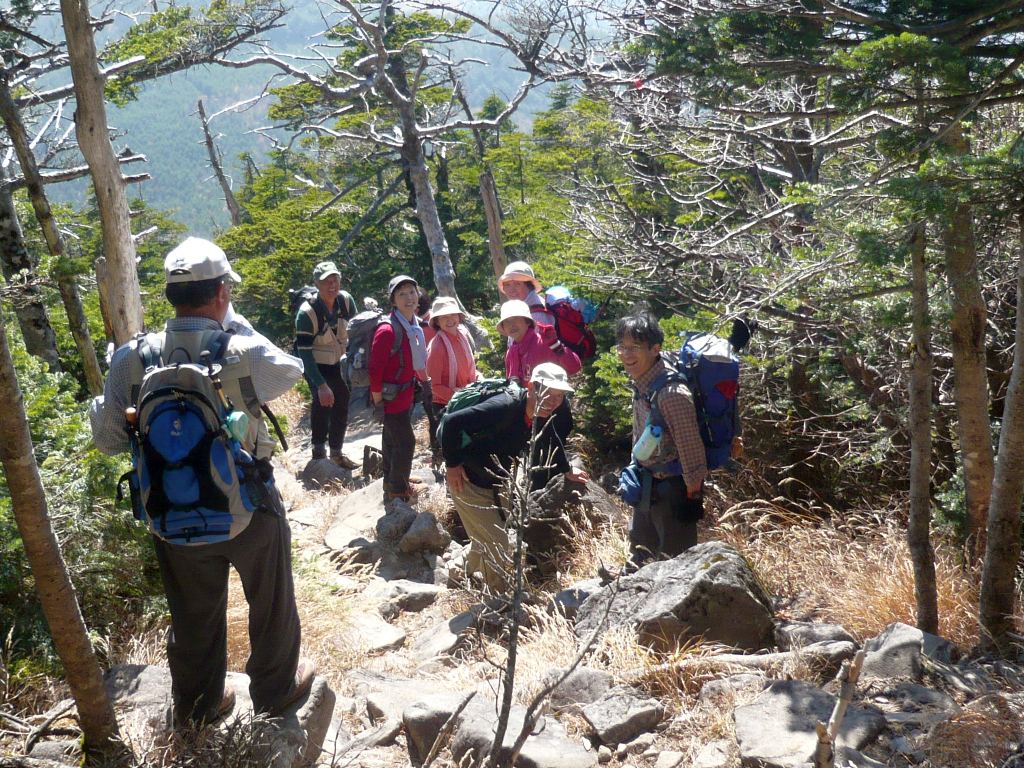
{"x":485,"y":525}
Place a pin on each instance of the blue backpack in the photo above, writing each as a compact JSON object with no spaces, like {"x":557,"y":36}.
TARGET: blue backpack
{"x":710,"y":368}
{"x":191,"y":479}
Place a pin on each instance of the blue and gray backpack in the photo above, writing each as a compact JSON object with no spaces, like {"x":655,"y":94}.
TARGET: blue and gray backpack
{"x":191,"y":480}
{"x":707,"y":365}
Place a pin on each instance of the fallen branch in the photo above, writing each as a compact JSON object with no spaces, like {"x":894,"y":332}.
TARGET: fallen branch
{"x":829,"y":651}
{"x":825,"y":751}
{"x":447,"y":729}
{"x":40,"y":730}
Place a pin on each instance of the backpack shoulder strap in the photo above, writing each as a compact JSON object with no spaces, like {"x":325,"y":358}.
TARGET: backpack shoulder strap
{"x":348,"y":305}
{"x":150,"y":348}
{"x":396,"y":347}
{"x":217,"y":344}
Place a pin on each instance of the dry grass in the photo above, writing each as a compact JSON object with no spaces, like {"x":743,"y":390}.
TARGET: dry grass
{"x":984,"y":734}
{"x":859,"y":575}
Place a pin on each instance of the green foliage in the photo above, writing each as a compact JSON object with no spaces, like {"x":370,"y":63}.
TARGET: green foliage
{"x":108,"y":555}
{"x":175,"y":34}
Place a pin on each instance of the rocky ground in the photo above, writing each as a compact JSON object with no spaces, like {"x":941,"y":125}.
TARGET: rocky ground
{"x":685,"y":663}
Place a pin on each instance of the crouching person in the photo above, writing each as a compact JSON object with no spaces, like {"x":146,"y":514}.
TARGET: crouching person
{"x":167,"y":399}
{"x":480,"y":444}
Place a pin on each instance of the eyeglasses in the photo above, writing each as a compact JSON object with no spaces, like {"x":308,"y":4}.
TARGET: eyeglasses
{"x":630,"y":349}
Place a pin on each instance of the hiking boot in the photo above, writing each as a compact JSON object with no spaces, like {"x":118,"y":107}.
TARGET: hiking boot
{"x":343,"y":461}
{"x":319,"y":452}
{"x":304,"y":674}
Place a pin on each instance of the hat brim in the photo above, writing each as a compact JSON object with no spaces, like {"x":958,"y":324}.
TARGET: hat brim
{"x":328,"y":273}
{"x":510,"y":317}
{"x":434,"y":318}
{"x":563,"y":386}
{"x":519,"y":277}
{"x":186,"y":277}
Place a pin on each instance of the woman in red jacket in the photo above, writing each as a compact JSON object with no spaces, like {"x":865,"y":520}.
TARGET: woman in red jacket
{"x":532,"y":344}
{"x":398,"y":354}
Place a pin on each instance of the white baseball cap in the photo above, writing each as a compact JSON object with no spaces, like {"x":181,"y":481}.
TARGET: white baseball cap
{"x":197,"y":259}
{"x":551,"y":376}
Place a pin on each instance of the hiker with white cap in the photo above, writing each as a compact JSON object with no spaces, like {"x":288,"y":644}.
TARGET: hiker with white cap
{"x":321,"y":338}
{"x":481,"y":443}
{"x":450,"y":363}
{"x":519,"y":283}
{"x":531,"y":343}
{"x":398,"y":355}
{"x":195,"y":558}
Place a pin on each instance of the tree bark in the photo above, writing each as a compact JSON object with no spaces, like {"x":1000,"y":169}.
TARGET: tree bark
{"x":18,"y":268}
{"x":229,"y":197}
{"x":495,"y":241}
{"x":125,"y":308}
{"x":967,"y":331}
{"x":51,"y":233}
{"x":998,"y":591}
{"x":53,"y":584}
{"x":921,"y":553}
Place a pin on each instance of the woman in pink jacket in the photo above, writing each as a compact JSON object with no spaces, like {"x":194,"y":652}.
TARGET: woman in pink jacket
{"x":532,"y":344}
{"x":450,"y":363}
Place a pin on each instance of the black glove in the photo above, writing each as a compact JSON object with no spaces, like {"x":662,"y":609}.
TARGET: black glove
{"x":378,"y":412}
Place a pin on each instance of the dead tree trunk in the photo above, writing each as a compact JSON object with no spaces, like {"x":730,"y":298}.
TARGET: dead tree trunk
{"x":967,"y":331}
{"x":53,"y":584}
{"x":218,"y":169}
{"x":495,"y":241}
{"x":998,"y":591}
{"x":18,"y":269}
{"x":918,"y":540}
{"x":51,"y":233}
{"x":125,"y":308}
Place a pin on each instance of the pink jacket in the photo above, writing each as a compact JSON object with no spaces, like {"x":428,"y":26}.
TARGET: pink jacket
{"x":440,"y":366}
{"x":539,"y":345}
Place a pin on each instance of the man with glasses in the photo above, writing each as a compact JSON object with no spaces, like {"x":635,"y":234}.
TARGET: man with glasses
{"x":665,"y":520}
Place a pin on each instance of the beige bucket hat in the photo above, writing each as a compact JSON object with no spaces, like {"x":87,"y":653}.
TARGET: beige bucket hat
{"x":521,"y":271}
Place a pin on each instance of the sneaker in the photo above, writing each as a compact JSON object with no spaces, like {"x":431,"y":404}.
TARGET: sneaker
{"x":319,"y":452}
{"x":304,"y":674}
{"x":344,"y":461}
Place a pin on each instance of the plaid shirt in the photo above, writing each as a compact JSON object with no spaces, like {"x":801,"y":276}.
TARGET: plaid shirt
{"x":681,"y":438}
{"x":273,"y":374}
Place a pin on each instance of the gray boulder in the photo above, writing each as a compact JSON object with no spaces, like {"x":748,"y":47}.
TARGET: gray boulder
{"x":322,"y":473}
{"x":425,"y":535}
{"x":562,"y":508}
{"x":549,"y":745}
{"x":143,"y":696}
{"x":568,"y":601}
{"x":402,"y":595}
{"x":395,"y":523}
{"x":898,"y":653}
{"x":622,"y":714}
{"x":777,"y":730}
{"x":724,"y":690}
{"x":584,"y":685}
{"x":792,"y":635}
{"x":368,"y":633}
{"x":355,"y":515}
{"x":709,"y":591}
{"x":425,"y":716}
{"x":444,"y":637}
